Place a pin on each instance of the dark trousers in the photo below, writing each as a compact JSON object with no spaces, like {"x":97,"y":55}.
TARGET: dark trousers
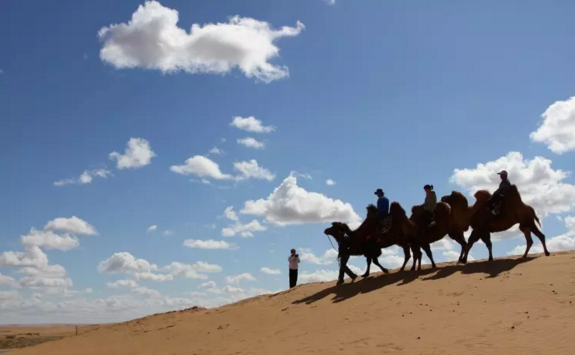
{"x":292,"y":278}
{"x":343,"y":269}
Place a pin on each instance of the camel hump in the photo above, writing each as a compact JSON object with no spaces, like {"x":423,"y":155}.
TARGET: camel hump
{"x":442,"y":208}
{"x":482,"y":195}
{"x":395,"y":210}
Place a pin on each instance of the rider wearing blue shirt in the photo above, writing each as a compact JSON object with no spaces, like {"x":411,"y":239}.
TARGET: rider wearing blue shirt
{"x":382,"y":204}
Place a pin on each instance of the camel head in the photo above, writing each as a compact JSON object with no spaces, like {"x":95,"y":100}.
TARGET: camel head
{"x":456,"y":200}
{"x":337,"y":230}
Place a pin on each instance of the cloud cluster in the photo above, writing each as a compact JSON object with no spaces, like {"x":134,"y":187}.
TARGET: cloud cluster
{"x":138,"y":153}
{"x":251,"y":143}
{"x":204,"y":167}
{"x":85,"y":178}
{"x":236,"y":279}
{"x":153,"y":40}
{"x":539,"y":184}
{"x":141,"y":269}
{"x":291,"y":204}
{"x":33,"y":263}
{"x":209,"y":244}
{"x":251,"y":124}
{"x":557,"y":130}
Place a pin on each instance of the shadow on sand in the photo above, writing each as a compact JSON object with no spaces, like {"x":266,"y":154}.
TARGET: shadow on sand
{"x":348,"y":290}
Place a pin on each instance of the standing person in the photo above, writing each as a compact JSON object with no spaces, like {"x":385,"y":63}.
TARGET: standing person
{"x":429,"y":203}
{"x":343,"y":256}
{"x":293,"y":260}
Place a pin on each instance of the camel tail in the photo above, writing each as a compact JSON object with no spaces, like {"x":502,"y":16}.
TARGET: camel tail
{"x":536,"y":218}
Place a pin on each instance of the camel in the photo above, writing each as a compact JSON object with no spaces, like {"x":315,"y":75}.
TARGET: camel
{"x":358,"y":238}
{"x":483,"y":223}
{"x":402,"y":232}
{"x":362,"y":244}
{"x":433,"y":232}
{"x":513,"y":211}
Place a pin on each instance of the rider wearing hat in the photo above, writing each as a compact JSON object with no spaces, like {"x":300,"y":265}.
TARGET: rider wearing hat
{"x":500,"y":193}
{"x":382,"y":204}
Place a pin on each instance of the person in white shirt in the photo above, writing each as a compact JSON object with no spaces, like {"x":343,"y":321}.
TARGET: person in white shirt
{"x":293,"y":265}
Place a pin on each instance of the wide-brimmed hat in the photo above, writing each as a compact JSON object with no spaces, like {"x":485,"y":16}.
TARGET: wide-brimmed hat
{"x":378,"y":191}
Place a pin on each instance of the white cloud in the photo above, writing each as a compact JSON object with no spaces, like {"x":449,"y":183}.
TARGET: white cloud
{"x":203,"y":167}
{"x":562,"y":242}
{"x":209,"y":244}
{"x":251,"y":124}
{"x":216,"y":150}
{"x":73,"y":225}
{"x":85,"y":178}
{"x":557,"y":130}
{"x":42,"y":282}
{"x":192,"y":271}
{"x":329,"y":182}
{"x":138,"y":154}
{"x":50,"y":240}
{"x":126,"y":263}
{"x":236,"y":279}
{"x":244,"y":230}
{"x":149,"y":276}
{"x":48,"y":271}
{"x":210,"y":286}
{"x":231,"y":289}
{"x":153,"y":40}
{"x":267,"y":270}
{"x":152,"y":229}
{"x":328,"y":257}
{"x":8,"y":281}
{"x":292,"y":204}
{"x":8,"y":295}
{"x":251,"y":169}
{"x":168,"y":232}
{"x":147,"y":292}
{"x":123,"y":283}
{"x":251,"y":143}
{"x":206,"y":168}
{"x":231,"y":214}
{"x":540,"y":186}
{"x":330,"y":2}
{"x":31,"y":257}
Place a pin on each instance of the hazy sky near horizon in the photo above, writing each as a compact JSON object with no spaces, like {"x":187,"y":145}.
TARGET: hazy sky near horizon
{"x":159,"y":155}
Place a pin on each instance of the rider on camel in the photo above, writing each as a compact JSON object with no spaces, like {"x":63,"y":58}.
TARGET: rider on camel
{"x":382,"y":207}
{"x":495,"y":200}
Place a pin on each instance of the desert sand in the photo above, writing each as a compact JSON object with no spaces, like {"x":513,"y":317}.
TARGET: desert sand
{"x":508,"y":306}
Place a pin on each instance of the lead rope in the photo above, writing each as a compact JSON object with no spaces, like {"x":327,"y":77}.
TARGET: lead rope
{"x":338,"y":260}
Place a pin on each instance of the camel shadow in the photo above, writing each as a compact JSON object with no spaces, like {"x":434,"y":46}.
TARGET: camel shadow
{"x":348,"y":290}
{"x":490,"y":268}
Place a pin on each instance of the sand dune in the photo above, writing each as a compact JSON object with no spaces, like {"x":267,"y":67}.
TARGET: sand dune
{"x":508,"y":306}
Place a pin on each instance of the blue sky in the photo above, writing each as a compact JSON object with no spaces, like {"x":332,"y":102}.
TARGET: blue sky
{"x":370,"y":94}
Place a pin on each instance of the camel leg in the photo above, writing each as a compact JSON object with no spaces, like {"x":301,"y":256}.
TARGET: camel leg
{"x":376,"y":262}
{"x":528,"y":240}
{"x":416,"y":257}
{"x":368,"y":260}
{"x":472,"y":239}
{"x":541,"y":237}
{"x":407,"y":256}
{"x":429,"y":254}
{"x":486,"y":238}
{"x":459,"y":238}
